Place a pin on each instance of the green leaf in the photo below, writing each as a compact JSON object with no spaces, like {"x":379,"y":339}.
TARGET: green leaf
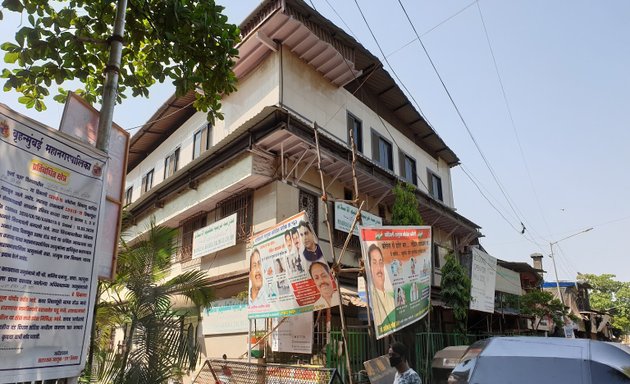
{"x":24,"y":99}
{"x":13,"y":5}
{"x":40,"y":106}
{"x":11,"y":57}
{"x":10,"y":47}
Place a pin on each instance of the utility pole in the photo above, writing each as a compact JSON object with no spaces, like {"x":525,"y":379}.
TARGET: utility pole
{"x":555,"y":269}
{"x":105,"y":120}
{"x":112,"y":70}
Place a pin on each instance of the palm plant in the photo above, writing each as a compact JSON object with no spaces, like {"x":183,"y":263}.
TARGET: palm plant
{"x":157,"y":344}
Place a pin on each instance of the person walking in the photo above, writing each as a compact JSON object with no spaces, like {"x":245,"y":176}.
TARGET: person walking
{"x":398,"y":355}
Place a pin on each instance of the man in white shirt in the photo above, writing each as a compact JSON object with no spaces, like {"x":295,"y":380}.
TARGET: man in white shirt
{"x":256,"y":290}
{"x":398,"y":354}
{"x":382,"y":301}
{"x":325,"y":285}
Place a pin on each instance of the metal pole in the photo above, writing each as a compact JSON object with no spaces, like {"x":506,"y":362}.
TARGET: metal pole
{"x":249,"y":341}
{"x":110,"y":89}
{"x":555,"y":271}
{"x":106,"y":117}
{"x":553,"y":259}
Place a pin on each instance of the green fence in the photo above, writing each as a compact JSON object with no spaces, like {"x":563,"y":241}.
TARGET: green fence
{"x":361,"y":348}
{"x":425,"y":345}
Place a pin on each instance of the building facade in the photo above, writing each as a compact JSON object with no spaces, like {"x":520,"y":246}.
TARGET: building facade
{"x":296,"y":71}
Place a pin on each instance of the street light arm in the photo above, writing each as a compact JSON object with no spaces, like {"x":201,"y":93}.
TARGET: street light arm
{"x":570,"y":236}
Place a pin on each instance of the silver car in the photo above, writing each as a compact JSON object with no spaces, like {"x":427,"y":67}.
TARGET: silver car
{"x":542,"y":360}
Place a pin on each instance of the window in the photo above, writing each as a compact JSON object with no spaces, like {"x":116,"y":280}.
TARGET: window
{"x":408,"y":168}
{"x":382,"y":151}
{"x":188,"y":229}
{"x":347,"y":194}
{"x":242,"y":205}
{"x":202,"y":140}
{"x":170,"y":163}
{"x":356,"y":128}
{"x":128,"y":195}
{"x":435,"y":186}
{"x":308,"y":202}
{"x":147,"y":181}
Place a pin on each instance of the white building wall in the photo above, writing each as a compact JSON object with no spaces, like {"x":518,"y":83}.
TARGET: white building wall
{"x":256,"y":91}
{"x":239,"y":169}
{"x":306,"y":92}
{"x":309,"y":94}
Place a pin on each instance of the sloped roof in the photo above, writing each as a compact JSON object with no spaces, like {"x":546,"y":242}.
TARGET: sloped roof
{"x":326,"y":47}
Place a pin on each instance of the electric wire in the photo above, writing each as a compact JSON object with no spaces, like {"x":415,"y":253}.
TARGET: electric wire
{"x":472,"y":179}
{"x":433,"y":28}
{"x":494,"y":268}
{"x":341,"y":18}
{"x":161,"y":118}
{"x":389,"y":65}
{"x":487,"y":191}
{"x":488,"y":200}
{"x":513,"y":124}
{"x":459,"y":114}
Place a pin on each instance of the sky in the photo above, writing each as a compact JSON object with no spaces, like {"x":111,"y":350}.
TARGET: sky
{"x":541,"y":88}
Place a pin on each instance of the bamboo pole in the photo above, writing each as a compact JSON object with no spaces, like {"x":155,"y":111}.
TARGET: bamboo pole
{"x":344,"y":331}
{"x":355,"y":184}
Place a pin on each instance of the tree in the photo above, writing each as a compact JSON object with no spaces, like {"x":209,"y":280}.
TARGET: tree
{"x":541,"y":304}
{"x":406,"y":208}
{"x":609,"y":295}
{"x":157,"y":344}
{"x":456,"y":291}
{"x":187,"y":41}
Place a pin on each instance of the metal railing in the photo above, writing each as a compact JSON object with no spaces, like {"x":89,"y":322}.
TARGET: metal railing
{"x":232,"y":372}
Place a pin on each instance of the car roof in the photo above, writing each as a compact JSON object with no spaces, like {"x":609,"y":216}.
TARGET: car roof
{"x":525,"y":346}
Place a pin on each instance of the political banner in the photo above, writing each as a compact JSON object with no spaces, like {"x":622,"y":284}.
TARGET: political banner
{"x":51,"y":189}
{"x":398,"y":270}
{"x":482,"y":281}
{"x":288,"y":273}
{"x":344,"y":216}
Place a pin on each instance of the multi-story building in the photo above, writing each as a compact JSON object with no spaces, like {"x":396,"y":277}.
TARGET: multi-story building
{"x":296,"y":70}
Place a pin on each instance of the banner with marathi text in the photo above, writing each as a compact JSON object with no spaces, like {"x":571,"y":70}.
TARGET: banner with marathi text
{"x":51,"y":190}
{"x":288,"y":273}
{"x":398,"y":270}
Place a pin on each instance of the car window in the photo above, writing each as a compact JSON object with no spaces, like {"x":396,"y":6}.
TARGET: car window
{"x":527,"y":370}
{"x":475,"y":349}
{"x":461,"y":373}
{"x":602,"y":373}
{"x":613,"y":356}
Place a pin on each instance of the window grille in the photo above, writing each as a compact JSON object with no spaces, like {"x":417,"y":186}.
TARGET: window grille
{"x":188,"y":229}
{"x":242,"y":205}
{"x":308,"y":202}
